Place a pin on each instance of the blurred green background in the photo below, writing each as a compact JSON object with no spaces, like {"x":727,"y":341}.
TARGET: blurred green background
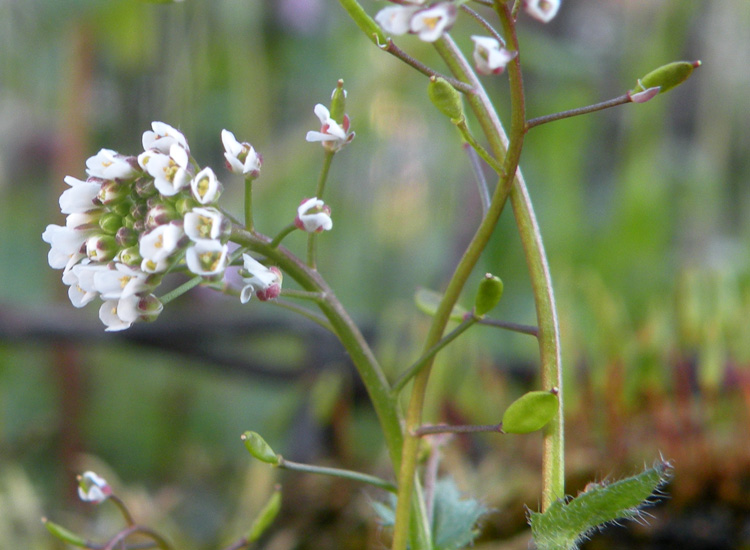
{"x":645,"y":212}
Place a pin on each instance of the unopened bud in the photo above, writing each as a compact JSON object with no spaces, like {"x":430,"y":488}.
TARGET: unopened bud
{"x":446,"y":98}
{"x":259,"y":448}
{"x":113,"y":192}
{"x":338,"y":101}
{"x":110,"y":223}
{"x":489,"y":294}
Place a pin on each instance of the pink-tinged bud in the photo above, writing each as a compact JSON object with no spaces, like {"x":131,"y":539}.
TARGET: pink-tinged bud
{"x":313,"y":216}
{"x":272,"y":291}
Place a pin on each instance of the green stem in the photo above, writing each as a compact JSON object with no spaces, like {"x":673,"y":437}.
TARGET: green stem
{"x":412,"y":371}
{"x":324,"y":174}
{"x":513,"y":327}
{"x":249,"y":204}
{"x":621,"y":100}
{"x":312,"y":249}
{"x":307,"y":314}
{"x":180,"y":290}
{"x":283,"y":233}
{"x":481,"y":151}
{"x":462,"y":429}
{"x":337,"y":472}
{"x":117,"y":501}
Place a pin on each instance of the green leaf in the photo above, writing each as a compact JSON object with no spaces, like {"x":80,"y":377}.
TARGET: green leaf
{"x":428,"y":301}
{"x":530,"y":412}
{"x":454,"y":518}
{"x":566,"y":523}
{"x":265,"y":517}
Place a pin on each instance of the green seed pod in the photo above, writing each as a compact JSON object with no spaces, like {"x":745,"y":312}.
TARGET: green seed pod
{"x":338,"y":102}
{"x":64,"y":534}
{"x":265,"y":517}
{"x":667,"y":76}
{"x":446,"y":98}
{"x":259,"y":448}
{"x":489,"y":294}
{"x":530,"y":412}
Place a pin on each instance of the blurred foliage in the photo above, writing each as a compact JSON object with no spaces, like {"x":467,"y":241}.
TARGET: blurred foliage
{"x":644,"y":209}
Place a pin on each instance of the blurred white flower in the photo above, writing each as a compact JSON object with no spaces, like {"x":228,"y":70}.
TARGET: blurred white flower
{"x":109,"y":165}
{"x":543,"y":10}
{"x":313,"y":216}
{"x":161,"y":137}
{"x":332,"y":135}
{"x":206,"y":188}
{"x":263,"y":281}
{"x":206,"y":257}
{"x":430,"y":24}
{"x":92,"y":488}
{"x":241,"y":158}
{"x":490,"y":57}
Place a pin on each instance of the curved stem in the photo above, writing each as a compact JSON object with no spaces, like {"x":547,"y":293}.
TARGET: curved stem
{"x":337,"y":472}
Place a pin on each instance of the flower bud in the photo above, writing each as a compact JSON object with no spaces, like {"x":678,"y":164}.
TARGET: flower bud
{"x":130,"y":255}
{"x":489,"y":294}
{"x":446,"y":98}
{"x":144,"y":187}
{"x":126,"y":237}
{"x":259,"y":448}
{"x":265,"y":517}
{"x":92,"y":488}
{"x":64,"y":534}
{"x":110,"y":223}
{"x":101,"y":248}
{"x":667,"y":76}
{"x":113,"y":191}
{"x":121,"y":208}
{"x":530,"y":412}
{"x":338,"y":101}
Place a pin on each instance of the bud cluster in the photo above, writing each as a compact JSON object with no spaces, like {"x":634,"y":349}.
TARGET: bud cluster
{"x":133,"y":220}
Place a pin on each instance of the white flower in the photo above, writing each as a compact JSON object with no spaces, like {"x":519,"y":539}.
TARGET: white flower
{"x":163,"y":137}
{"x":206,"y":188}
{"x":120,"y":314}
{"x":489,"y":56}
{"x":120,"y":282}
{"x":109,"y":165}
{"x":80,"y":281}
{"x":264,"y":282}
{"x":430,"y":24}
{"x":313,"y":216}
{"x":396,"y":19}
{"x":92,"y":488}
{"x":543,"y":10}
{"x":206,"y":257}
{"x":332,"y":135}
{"x":241,"y":157}
{"x":156,"y":246}
{"x":81,"y":197}
{"x":65,"y":243}
{"x":203,"y":223}
{"x":170,"y":172}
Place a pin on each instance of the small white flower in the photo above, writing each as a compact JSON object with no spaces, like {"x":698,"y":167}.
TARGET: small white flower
{"x":109,"y":165}
{"x":332,"y":135}
{"x":241,"y":157}
{"x":120,"y":282}
{"x":81,"y":197}
{"x":543,"y":10}
{"x":264,"y":282}
{"x":430,"y":24}
{"x":170,"y":172}
{"x":206,"y":257}
{"x":313,"y":216}
{"x":157,"y":245}
{"x":163,"y":137}
{"x":80,"y":279}
{"x":206,"y":188}
{"x":92,"y":488}
{"x":65,"y":242}
{"x":490,"y":57}
{"x":396,"y":19}
{"x":203,"y":223}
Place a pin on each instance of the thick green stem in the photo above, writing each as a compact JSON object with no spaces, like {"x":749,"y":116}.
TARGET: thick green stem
{"x":249,"y":204}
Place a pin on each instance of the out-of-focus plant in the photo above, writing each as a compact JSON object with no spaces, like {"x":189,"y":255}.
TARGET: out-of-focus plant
{"x":138,"y":219}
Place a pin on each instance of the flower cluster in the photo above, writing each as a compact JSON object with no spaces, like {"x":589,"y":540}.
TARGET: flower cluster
{"x":429,"y":22}
{"x":133,"y":220}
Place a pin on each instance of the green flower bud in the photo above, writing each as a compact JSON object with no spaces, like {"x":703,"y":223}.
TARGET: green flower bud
{"x":184,"y":204}
{"x":113,"y":192}
{"x":64,"y":534}
{"x":489,"y":294}
{"x":121,"y":208}
{"x":338,"y":101}
{"x":259,"y":448}
{"x":144,"y":187}
{"x":130,"y":255}
{"x":530,"y":412}
{"x":110,"y":223}
{"x":446,"y":98}
{"x":265,"y":517}
{"x":667,"y":76}
{"x":126,"y":237}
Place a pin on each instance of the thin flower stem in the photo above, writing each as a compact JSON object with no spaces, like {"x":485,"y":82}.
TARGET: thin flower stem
{"x":481,"y":151}
{"x":413,"y":370}
{"x":117,"y":501}
{"x":304,"y":295}
{"x":476,"y":167}
{"x":516,"y":9}
{"x":180,"y":290}
{"x":282,"y":234}
{"x":462,"y":429}
{"x":306,"y":313}
{"x":621,"y":100}
{"x":513,"y":327}
{"x":482,"y":21}
{"x":312,"y":250}
{"x":324,"y":174}
{"x":337,"y":472}
{"x":249,"y":204}
{"x":133,"y":529}
{"x":394,"y":50}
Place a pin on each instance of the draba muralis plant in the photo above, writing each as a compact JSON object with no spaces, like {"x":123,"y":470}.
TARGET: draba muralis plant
{"x":138,"y":219}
